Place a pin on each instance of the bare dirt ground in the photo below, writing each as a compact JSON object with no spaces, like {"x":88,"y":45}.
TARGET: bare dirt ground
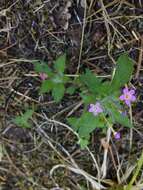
{"x":93,"y":35}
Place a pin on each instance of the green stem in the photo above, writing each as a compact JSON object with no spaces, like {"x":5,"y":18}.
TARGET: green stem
{"x":108,"y":123}
{"x":139,"y":166}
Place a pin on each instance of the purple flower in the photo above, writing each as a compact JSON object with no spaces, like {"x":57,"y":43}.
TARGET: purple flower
{"x":33,"y":23}
{"x":128,"y":96}
{"x":43,"y":76}
{"x":95,"y":108}
{"x":117,"y":135}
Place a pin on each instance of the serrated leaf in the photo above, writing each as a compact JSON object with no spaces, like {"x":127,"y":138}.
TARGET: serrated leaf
{"x":28,"y":114}
{"x":57,"y":78}
{"x":59,"y":64}
{"x":73,"y":122}
{"x":122,"y":119}
{"x":58,"y":92}
{"x":88,"y":98}
{"x":42,"y":67}
{"x":86,"y":124}
{"x":71,"y":90}
{"x":46,"y":86}
{"x":123,"y":73}
{"x":104,"y":88}
{"x":22,"y":121}
{"x":65,"y":79}
{"x":116,"y":116}
{"x":91,"y":81}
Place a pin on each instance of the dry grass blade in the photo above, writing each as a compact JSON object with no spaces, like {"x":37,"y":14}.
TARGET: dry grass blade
{"x":91,"y":179}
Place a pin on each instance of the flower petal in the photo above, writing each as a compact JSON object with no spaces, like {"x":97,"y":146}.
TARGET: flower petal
{"x":99,"y":110}
{"x":128,"y":102}
{"x":132,"y":92}
{"x":98,"y":107}
{"x":43,"y":76}
{"x":125,"y":90}
{"x":117,"y":135}
{"x":133,"y":98}
{"x":91,"y":108}
{"x":122,"y":97}
{"x":98,"y":104}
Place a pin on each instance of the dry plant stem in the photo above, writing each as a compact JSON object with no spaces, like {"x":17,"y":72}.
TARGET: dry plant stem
{"x":90,"y":6}
{"x":96,"y":165}
{"x":127,"y":174}
{"x":50,"y":142}
{"x":82,"y":38}
{"x":112,"y":157}
{"x":132,"y":18}
{"x":70,"y":165}
{"x":107,"y":21}
{"x":105,"y":15}
{"x":107,"y":6}
{"x":139,"y":59}
{"x":64,"y":110}
{"x":118,"y":162}
{"x":79,"y":171}
{"x":19,"y":171}
{"x":104,"y":164}
{"x":24,"y":96}
{"x":69,"y":128}
{"x":4,"y":11}
{"x":75,"y":108}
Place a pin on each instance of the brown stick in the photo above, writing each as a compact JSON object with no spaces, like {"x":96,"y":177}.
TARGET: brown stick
{"x":139,"y":59}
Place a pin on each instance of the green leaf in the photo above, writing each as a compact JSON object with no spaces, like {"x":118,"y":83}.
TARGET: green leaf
{"x":116,"y":116}
{"x":60,"y":78}
{"x":22,"y":120}
{"x":59,"y":64}
{"x":122,"y":119}
{"x":65,"y":79}
{"x":105,"y":88}
{"x":58,"y":92}
{"x":42,"y":67}
{"x":46,"y":86}
{"x":57,"y":78}
{"x":91,"y":81}
{"x":86,"y":124}
{"x":28,"y":114}
{"x":71,"y":90}
{"x":123,"y":72}
{"x":83,"y":142}
{"x":73,"y":122}
{"x":88,"y":98}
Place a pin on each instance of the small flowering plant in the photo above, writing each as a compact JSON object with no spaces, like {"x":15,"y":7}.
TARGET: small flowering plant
{"x":53,"y":80}
{"x":105,"y":102}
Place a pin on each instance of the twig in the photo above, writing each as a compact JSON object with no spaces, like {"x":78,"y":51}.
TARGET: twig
{"x":139,"y":59}
{"x":104,"y":164}
{"x":82,"y":39}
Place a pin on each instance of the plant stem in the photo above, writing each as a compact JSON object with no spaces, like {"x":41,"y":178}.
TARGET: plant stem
{"x":139,"y":166}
